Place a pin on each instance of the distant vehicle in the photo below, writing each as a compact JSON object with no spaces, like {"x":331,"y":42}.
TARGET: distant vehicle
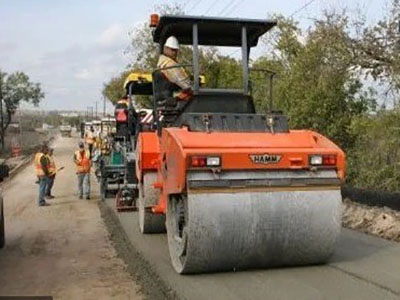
{"x":96,"y":126}
{"x":66,"y":130}
{"x":4,"y":170}
{"x":108,"y":126}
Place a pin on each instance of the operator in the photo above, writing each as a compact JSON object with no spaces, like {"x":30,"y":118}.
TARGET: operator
{"x":42,"y":165}
{"x":83,"y":163}
{"x":176,"y":75}
{"x":89,"y":138}
{"x":52,"y":174}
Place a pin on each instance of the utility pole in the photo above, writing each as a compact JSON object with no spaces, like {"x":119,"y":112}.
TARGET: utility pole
{"x":91,"y":112}
{"x":96,"y":110}
{"x":1,"y":112}
{"x":104,"y":106}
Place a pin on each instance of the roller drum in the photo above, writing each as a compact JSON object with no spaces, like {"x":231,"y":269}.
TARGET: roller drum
{"x":148,"y":196}
{"x":210,"y":232}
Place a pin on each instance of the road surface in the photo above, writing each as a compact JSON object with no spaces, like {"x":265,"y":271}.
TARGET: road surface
{"x":62,"y":250}
{"x":363,"y":267}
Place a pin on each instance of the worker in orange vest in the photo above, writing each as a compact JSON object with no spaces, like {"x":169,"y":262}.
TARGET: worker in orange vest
{"x":83,"y":163}
{"x":52,"y":174}
{"x":90,"y":139}
{"x":42,"y":164}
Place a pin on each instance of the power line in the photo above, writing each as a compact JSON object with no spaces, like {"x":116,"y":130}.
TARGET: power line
{"x":301,"y":8}
{"x":195,"y":5}
{"x":211,"y":6}
{"x":226,"y":7}
{"x":234,"y":7}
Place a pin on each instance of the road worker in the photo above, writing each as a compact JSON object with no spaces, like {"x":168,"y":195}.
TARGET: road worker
{"x":121,"y":117}
{"x":177,"y":75}
{"x":42,"y":165}
{"x":90,"y":139}
{"x":123,"y":103}
{"x":52,"y":174}
{"x":83,"y":163}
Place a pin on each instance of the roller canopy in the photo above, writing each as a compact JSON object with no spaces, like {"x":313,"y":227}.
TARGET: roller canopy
{"x":141,"y":83}
{"x":212,"y":31}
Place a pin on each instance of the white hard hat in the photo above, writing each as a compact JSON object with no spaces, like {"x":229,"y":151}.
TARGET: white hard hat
{"x":172,"y":42}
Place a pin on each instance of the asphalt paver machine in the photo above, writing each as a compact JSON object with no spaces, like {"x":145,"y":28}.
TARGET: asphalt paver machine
{"x":117,"y":168}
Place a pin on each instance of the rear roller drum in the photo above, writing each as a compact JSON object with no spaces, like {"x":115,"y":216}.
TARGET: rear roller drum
{"x":148,"y":196}
{"x":234,"y":231}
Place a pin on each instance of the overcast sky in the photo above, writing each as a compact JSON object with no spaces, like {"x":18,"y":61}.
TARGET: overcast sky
{"x":72,"y":47}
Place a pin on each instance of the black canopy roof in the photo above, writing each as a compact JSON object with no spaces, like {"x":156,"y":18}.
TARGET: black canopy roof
{"x":212,"y":31}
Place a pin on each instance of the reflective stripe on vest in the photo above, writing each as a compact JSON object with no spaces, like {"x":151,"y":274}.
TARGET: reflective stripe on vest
{"x":82,"y":163}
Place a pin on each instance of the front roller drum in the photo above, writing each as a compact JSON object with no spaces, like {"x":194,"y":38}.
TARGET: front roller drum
{"x":235,"y":231}
{"x":148,"y":197}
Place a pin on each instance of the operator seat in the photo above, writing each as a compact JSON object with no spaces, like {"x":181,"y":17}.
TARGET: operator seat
{"x":166,"y":104}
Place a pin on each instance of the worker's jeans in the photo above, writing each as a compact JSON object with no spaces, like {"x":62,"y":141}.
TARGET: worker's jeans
{"x":84,"y":184}
{"x":50,"y":183}
{"x":42,"y":190}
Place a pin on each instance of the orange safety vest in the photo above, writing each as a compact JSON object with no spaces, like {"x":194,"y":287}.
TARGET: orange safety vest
{"x":38,"y":166}
{"x":121,"y":115}
{"x":82,"y":161}
{"x":52,"y":165}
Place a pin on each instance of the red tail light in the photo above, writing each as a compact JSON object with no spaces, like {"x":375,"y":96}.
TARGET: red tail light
{"x":199,"y":161}
{"x":329,"y":160}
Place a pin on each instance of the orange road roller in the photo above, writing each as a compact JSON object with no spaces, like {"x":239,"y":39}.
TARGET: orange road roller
{"x":232,"y":188}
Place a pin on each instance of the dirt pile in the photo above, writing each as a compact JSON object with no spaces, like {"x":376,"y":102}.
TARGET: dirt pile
{"x":379,"y":221}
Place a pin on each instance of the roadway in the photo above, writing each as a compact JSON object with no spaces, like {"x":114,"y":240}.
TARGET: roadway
{"x":363,"y":267}
{"x":62,"y":250}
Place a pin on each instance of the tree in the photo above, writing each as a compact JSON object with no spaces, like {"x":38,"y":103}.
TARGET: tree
{"x":374,"y":160}
{"x":144,"y":54}
{"x":317,"y":84}
{"x":114,"y":89}
{"x":377,"y":49}
{"x":15,"y":88}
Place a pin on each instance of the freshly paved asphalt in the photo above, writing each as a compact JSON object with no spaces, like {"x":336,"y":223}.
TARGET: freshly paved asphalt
{"x":363,"y":267}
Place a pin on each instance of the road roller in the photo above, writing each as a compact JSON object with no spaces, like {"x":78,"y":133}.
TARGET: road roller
{"x":235,"y":189}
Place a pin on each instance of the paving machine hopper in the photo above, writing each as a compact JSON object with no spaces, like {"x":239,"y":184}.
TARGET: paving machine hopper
{"x":239,"y":189}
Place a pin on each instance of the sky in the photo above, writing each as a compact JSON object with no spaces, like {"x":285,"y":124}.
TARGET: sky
{"x":73,"y":47}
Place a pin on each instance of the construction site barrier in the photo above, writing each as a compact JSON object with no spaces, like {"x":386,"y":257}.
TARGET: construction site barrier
{"x":16,"y":151}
